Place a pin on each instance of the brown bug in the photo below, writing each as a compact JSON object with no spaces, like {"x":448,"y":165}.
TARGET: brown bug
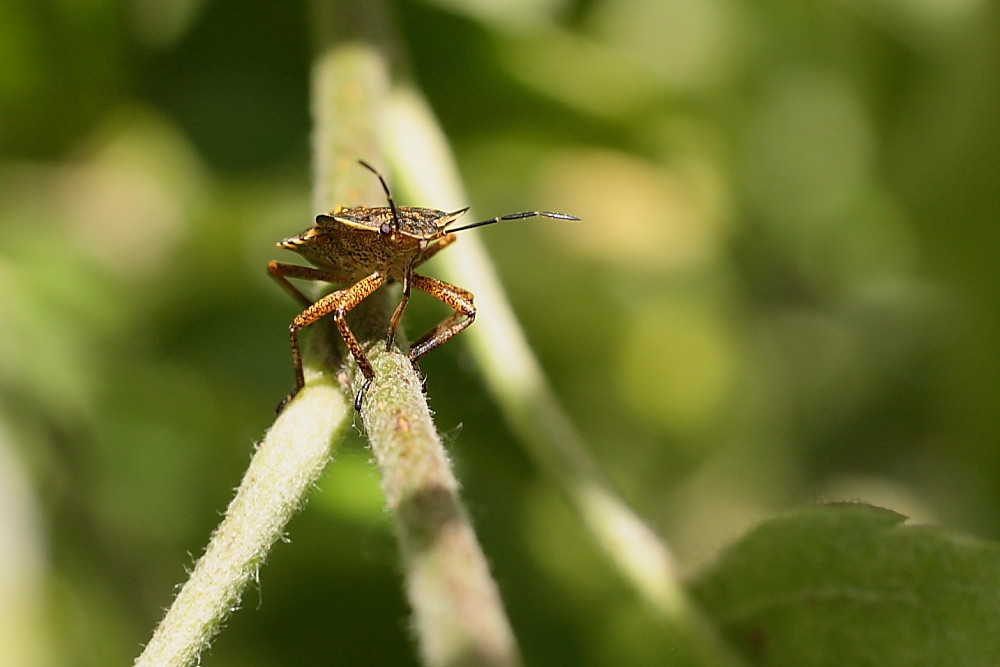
{"x":366,"y":247}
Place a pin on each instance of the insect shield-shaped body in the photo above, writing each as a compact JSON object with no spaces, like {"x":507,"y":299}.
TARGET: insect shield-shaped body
{"x":365,"y":247}
{"x":353,"y":243}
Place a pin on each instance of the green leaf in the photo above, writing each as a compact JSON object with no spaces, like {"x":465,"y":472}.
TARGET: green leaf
{"x":851,"y":585}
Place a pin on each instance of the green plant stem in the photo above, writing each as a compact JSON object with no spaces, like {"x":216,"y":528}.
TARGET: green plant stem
{"x":427,"y":173}
{"x":348,"y":84}
{"x":458,"y":616}
{"x":350,"y":88}
{"x":283,"y":470}
{"x":296,"y":449}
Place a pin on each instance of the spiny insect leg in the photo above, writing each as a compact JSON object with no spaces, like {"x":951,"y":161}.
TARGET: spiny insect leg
{"x":456,"y":297}
{"x":356,"y":294}
{"x":397,"y":315}
{"x":429,"y":252}
{"x":281,"y":272}
{"x":338,"y":304}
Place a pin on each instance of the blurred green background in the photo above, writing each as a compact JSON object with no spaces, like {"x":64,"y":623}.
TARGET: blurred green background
{"x":784,"y":291}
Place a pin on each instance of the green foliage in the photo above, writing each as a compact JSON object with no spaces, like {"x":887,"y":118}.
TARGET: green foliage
{"x":783,"y":290}
{"x":852,"y":585}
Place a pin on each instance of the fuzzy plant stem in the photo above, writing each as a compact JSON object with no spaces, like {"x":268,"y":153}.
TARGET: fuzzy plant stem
{"x":283,"y":470}
{"x":298,"y":446}
{"x":458,"y":615}
{"x":511,"y":371}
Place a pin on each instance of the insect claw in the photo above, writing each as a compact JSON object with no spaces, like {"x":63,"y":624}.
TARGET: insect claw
{"x":421,"y":375}
{"x":361,"y":394}
{"x":284,"y":402}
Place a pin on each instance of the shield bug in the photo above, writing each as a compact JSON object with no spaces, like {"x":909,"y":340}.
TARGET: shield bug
{"x":364,"y":248}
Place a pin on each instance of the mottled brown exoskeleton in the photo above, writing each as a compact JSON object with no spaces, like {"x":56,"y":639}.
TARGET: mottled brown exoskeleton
{"x":366,"y":247}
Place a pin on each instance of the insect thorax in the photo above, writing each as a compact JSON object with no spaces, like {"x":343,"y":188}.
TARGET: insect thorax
{"x":351,"y":253}
{"x":426,"y":223}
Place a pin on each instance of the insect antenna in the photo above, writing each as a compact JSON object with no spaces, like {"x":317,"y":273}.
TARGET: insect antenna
{"x":516,"y":216}
{"x":388,"y":195}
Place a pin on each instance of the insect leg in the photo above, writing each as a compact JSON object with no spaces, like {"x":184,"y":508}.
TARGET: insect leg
{"x":456,"y":297}
{"x":338,"y":304}
{"x":397,"y":315}
{"x":281,"y":272}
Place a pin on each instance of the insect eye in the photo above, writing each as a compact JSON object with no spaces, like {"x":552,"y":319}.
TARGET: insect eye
{"x":385,"y":229}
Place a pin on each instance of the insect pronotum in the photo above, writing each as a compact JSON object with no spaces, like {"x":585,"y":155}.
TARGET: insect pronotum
{"x":364,"y":248}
